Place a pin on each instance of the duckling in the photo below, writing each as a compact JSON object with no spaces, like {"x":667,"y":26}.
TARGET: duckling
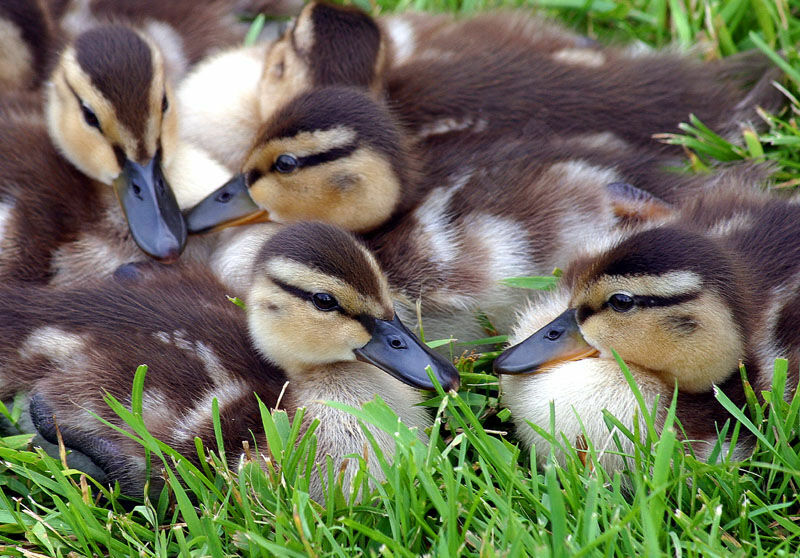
{"x":682,"y":303}
{"x":334,"y":154}
{"x":327,"y":45}
{"x":71,"y":177}
{"x":502,"y":73}
{"x":185,"y":32}
{"x":319,"y":326}
{"x":26,"y":38}
{"x":438,"y":97}
{"x":227,"y":97}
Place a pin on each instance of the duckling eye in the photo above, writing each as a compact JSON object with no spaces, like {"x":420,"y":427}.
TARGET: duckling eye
{"x":164,"y":104}
{"x":89,"y":116}
{"x":324,"y":302}
{"x":285,"y":163}
{"x":620,"y":302}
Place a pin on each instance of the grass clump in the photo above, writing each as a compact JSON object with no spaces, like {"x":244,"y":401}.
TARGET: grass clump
{"x":468,"y":492}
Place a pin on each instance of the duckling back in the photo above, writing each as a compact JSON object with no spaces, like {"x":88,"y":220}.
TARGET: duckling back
{"x":179,"y":322}
{"x":512,"y":86}
{"x":510,"y":72}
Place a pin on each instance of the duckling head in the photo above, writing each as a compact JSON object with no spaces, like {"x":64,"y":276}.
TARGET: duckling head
{"x":318,"y":297}
{"x":667,"y":300}
{"x":331,"y":154}
{"x":327,"y":45}
{"x":108,"y":112}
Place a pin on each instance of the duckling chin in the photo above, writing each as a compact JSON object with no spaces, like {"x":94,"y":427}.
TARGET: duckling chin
{"x":678,"y":303}
{"x":319,"y":326}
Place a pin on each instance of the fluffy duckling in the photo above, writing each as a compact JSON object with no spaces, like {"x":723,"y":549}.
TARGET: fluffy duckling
{"x":71,"y":177}
{"x":535,"y":80}
{"x":185,"y":31}
{"x":226,"y":98}
{"x":683,"y":303}
{"x":326,"y":45}
{"x":26,"y":40}
{"x":509,"y":72}
{"x":446,"y":228}
{"x":319,"y":326}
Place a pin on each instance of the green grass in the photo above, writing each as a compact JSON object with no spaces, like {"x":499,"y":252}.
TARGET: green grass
{"x":467,"y":492}
{"x":472,"y":490}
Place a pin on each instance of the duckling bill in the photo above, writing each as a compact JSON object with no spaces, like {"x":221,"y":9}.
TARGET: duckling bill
{"x":151,"y":210}
{"x":230,"y":205}
{"x":559,"y":341}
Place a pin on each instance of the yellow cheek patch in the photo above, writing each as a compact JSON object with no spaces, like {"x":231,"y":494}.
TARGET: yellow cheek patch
{"x":86,"y":147}
{"x":293,"y":334}
{"x":357,"y":192}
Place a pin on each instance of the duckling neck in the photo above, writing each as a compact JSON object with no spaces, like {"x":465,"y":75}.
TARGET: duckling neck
{"x":339,"y":433}
{"x":354,"y":383}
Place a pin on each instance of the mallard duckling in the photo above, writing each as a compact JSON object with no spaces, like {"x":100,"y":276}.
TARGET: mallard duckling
{"x":508,"y":73}
{"x":327,"y":45}
{"x":425,"y":69}
{"x":26,"y":39}
{"x":71,"y":177}
{"x":185,"y":31}
{"x":319,"y":326}
{"x":226,"y":98}
{"x":684,"y":302}
{"x":218,"y":102}
{"x":448,"y":227}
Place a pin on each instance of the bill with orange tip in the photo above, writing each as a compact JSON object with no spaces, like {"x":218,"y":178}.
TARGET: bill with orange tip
{"x":559,"y":341}
{"x":227,"y":206}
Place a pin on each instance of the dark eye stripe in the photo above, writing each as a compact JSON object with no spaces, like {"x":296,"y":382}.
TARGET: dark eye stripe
{"x":656,"y":301}
{"x":83,"y":106}
{"x":324,"y":157}
{"x":585,"y":311}
{"x":306,"y":295}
